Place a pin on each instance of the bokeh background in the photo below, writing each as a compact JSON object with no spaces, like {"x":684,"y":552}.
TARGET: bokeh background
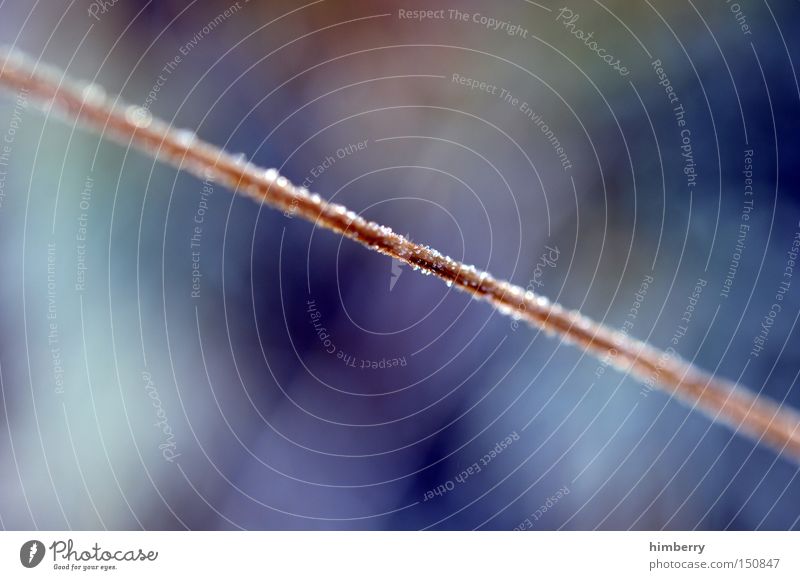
{"x":172,"y":356}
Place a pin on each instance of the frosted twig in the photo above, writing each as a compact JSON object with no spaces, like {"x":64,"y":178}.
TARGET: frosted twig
{"x":722,"y":401}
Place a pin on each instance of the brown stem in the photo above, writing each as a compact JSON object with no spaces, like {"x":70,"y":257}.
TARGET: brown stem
{"x":741,"y":409}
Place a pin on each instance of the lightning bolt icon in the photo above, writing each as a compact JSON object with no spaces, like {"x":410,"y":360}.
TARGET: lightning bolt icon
{"x":397,"y":270}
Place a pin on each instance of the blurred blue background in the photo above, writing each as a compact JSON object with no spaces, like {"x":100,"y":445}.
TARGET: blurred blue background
{"x":172,"y":356}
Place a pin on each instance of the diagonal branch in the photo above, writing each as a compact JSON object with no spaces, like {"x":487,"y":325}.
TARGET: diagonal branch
{"x":723,"y":401}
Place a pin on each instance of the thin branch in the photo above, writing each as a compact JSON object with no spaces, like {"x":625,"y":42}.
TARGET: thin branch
{"x":723,"y":401}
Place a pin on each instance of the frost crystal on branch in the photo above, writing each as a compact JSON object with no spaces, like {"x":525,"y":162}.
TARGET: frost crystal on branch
{"x":740,"y":408}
